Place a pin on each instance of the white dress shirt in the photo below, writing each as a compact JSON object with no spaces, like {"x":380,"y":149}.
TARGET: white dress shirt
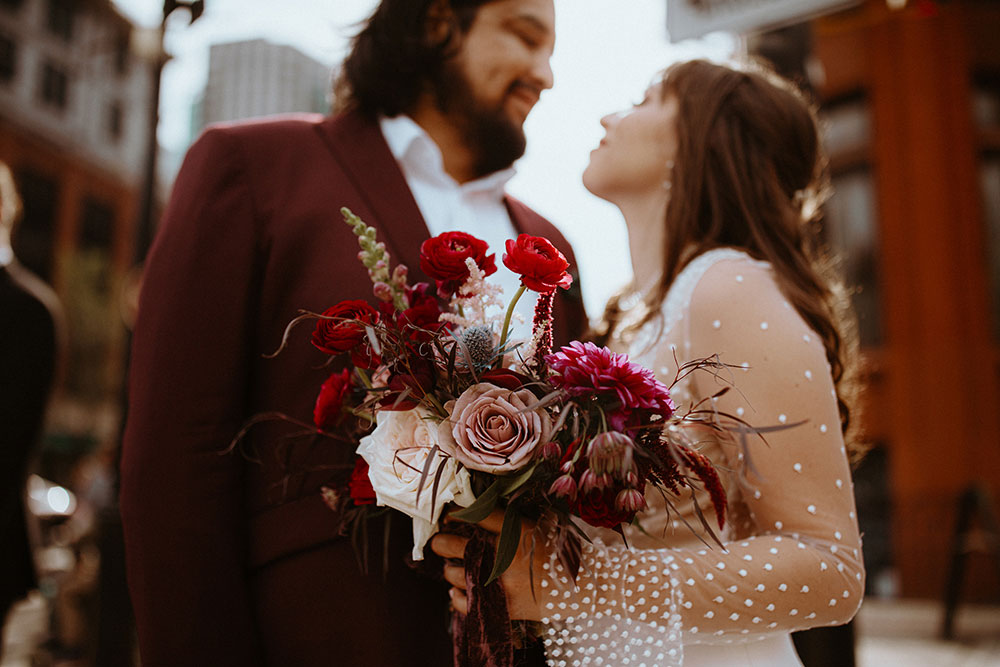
{"x":475,"y":207}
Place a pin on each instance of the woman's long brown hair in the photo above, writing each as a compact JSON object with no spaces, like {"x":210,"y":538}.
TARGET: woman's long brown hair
{"x":749,"y":174}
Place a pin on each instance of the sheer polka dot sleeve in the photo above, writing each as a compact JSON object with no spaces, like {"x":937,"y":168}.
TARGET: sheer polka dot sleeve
{"x":795,"y":562}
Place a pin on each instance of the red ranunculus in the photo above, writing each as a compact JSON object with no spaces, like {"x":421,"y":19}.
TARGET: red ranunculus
{"x":343,"y":326}
{"x":443,"y":259}
{"x":328,"y":414}
{"x":360,"y":485}
{"x":423,"y":313}
{"x":541,"y":266}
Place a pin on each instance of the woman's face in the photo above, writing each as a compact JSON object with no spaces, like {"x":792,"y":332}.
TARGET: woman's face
{"x":635,"y":156}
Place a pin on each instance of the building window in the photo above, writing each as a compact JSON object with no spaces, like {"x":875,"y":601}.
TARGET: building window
{"x":55,"y":83}
{"x":121,"y":53}
{"x":851,"y":222}
{"x":115,"y":120}
{"x":35,"y":234}
{"x":986,"y":109}
{"x":89,"y":287}
{"x":989,"y":179}
{"x":62,"y":14}
{"x":96,"y":225}
{"x":8,"y":58}
{"x":850,"y":217}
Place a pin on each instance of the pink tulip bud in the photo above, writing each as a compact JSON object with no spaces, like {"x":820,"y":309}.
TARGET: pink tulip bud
{"x":610,"y":452}
{"x":552,"y":450}
{"x":630,"y":500}
{"x":567,"y":467}
{"x":591,"y":481}
{"x":564,"y":487}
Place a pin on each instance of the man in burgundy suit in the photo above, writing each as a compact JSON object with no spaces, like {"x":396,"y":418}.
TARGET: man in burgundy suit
{"x":233,"y":558}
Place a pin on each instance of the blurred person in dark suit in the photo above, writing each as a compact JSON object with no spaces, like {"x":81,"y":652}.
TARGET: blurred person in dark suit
{"x":29,"y":343}
{"x":233,"y":562}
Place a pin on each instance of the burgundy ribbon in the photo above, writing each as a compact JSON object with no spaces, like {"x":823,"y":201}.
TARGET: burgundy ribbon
{"x":482,"y":638}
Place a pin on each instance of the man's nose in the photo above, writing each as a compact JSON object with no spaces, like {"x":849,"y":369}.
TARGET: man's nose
{"x":542,"y":71}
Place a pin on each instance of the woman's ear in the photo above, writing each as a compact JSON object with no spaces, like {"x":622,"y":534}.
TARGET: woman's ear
{"x":439,"y":23}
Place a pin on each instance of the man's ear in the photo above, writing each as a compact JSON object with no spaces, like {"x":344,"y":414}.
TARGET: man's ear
{"x":439,"y":24}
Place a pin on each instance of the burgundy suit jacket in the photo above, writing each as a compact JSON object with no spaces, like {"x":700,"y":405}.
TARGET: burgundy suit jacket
{"x":232,"y":558}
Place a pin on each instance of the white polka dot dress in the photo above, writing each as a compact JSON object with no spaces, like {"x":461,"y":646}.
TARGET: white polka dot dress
{"x":792,"y":556}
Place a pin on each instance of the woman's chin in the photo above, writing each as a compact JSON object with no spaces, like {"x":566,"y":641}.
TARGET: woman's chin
{"x":592,"y":182}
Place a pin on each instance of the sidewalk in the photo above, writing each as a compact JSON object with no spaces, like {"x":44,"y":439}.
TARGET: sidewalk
{"x":891,"y":633}
{"x":905,"y":633}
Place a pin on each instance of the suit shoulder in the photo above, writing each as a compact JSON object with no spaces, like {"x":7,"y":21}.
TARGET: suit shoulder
{"x":265,"y":132}
{"x":290,"y":123}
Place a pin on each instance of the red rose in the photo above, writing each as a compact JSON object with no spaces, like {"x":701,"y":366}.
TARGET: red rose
{"x":327,"y":414}
{"x":541,"y":266}
{"x":414,"y":376}
{"x":343,"y":329}
{"x":443,"y":259}
{"x":598,"y":509}
{"x":506,"y":378}
{"x":360,"y":485}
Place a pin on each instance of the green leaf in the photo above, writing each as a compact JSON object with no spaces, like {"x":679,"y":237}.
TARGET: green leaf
{"x":484,"y":504}
{"x":507,"y":545}
{"x":517,"y":482}
{"x":426,"y":471}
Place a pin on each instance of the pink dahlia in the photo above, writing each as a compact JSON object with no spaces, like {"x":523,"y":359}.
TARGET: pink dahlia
{"x":584,"y":369}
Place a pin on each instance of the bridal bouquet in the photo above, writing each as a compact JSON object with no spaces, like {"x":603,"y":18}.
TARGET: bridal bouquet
{"x":454,"y":413}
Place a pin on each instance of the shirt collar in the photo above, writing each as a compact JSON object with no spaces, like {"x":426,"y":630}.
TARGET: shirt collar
{"x":420,"y":157}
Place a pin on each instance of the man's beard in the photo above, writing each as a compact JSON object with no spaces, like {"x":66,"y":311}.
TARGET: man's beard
{"x":493,"y":138}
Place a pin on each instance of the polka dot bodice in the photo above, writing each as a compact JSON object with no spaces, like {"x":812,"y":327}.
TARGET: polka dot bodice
{"x":792,"y":556}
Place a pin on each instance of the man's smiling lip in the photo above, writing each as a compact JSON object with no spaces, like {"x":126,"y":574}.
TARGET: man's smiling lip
{"x":524,"y":95}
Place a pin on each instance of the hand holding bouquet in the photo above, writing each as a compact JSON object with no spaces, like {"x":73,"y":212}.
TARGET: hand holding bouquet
{"x":464,"y":415}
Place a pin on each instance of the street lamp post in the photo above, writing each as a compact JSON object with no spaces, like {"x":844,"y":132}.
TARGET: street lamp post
{"x":147,"y":203}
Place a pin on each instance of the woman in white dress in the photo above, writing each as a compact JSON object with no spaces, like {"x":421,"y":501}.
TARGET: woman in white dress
{"x":717,"y":173}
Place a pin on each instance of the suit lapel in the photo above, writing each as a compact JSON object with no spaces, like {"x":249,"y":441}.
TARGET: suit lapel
{"x":358,"y":145}
{"x":520,"y":216}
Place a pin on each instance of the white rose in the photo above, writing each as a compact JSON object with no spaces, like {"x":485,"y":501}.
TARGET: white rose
{"x":396,"y":452}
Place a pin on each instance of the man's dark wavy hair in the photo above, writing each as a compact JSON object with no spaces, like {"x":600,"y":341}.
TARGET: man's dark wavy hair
{"x":401,"y":48}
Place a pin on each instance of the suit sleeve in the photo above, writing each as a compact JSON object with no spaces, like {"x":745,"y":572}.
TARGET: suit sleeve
{"x":181,"y":495}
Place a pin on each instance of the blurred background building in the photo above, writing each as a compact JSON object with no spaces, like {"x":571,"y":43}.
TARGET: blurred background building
{"x":909,"y":97}
{"x":257,"y":78}
{"x":73,"y":127}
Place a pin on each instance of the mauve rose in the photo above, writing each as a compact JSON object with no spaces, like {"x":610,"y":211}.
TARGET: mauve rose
{"x":443,"y":259}
{"x":489,"y":428}
{"x":539,"y":263}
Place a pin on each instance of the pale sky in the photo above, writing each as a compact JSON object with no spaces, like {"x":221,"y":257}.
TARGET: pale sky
{"x":607,"y":51}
